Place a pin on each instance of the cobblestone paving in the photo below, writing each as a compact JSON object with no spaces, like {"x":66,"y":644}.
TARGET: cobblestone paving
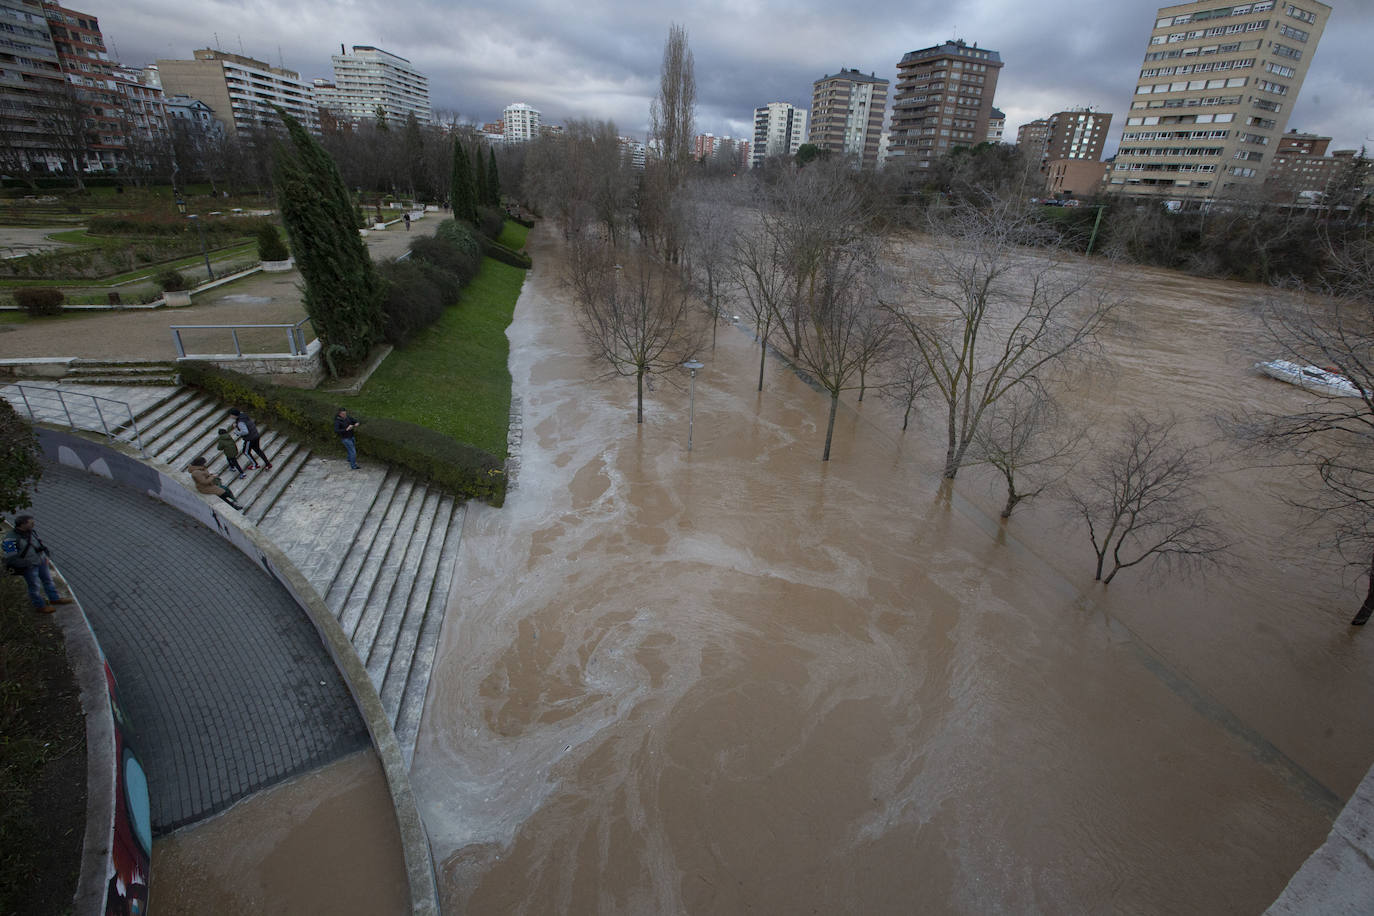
{"x":223,"y":676}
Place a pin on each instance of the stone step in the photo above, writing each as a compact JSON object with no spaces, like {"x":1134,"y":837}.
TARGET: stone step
{"x":280,"y":481}
{"x":402,"y":556}
{"x":108,"y":379}
{"x":191,"y":437}
{"x":128,"y":371}
{"x":406,"y":722}
{"x":320,"y":515}
{"x":365,"y":579}
{"x":149,"y":419}
{"x":381,"y":654}
{"x":393,"y":679}
{"x":281,"y":449}
{"x":174,"y":424}
{"x":343,"y":572}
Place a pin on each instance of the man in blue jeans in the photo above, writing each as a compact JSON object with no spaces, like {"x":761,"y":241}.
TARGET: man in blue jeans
{"x":343,"y":428}
{"x":26,"y":555}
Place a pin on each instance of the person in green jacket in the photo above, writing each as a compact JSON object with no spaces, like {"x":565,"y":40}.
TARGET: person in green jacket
{"x":225,"y":443}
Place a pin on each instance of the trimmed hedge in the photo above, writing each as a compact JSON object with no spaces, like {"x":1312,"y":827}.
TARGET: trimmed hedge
{"x":456,"y":467}
{"x":489,"y":221}
{"x":43,"y":300}
{"x":270,"y":245}
{"x":411,"y":299}
{"x":172,"y":281}
{"x":498,"y":252}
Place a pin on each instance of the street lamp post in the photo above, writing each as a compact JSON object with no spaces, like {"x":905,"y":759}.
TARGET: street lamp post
{"x":200,"y":230}
{"x":691,"y":398}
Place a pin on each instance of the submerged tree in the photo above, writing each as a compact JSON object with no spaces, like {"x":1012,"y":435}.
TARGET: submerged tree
{"x":636,"y":317}
{"x":990,"y":317}
{"x":1141,"y":503}
{"x":1022,"y":439}
{"x":342,"y":294}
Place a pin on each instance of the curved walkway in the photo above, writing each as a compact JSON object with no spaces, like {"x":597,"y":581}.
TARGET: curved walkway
{"x":222,"y":676}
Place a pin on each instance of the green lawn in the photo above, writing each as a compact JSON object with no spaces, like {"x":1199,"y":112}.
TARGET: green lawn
{"x":513,"y":235}
{"x":453,"y":377}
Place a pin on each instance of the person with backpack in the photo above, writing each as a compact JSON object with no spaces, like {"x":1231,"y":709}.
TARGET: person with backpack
{"x":27,"y":556}
{"x":251,"y":438}
{"x":226,"y":444}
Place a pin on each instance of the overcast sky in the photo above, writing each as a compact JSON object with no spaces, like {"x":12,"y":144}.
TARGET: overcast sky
{"x":600,"y":58}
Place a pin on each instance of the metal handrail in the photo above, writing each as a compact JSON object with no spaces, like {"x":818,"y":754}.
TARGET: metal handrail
{"x":39,"y":392}
{"x":295,"y":335}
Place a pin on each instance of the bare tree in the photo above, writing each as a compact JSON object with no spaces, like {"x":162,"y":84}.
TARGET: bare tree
{"x":1022,"y":438}
{"x":908,"y":376}
{"x":761,"y":271}
{"x":990,"y":317}
{"x":636,"y":317}
{"x":841,"y":322}
{"x":1333,"y":434}
{"x":1141,"y":503}
{"x":710,"y":229}
{"x":62,"y":116}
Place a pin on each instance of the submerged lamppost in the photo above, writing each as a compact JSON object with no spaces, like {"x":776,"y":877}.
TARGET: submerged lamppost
{"x":200,"y":229}
{"x":691,"y":397}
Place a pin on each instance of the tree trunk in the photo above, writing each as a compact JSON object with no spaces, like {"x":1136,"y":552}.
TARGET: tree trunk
{"x":639,"y":383}
{"x":763,"y":356}
{"x":906,"y":417}
{"x":830,"y":426}
{"x":1367,"y":608}
{"x":863,"y":383}
{"x":1012,"y":500}
{"x":1101,"y":558}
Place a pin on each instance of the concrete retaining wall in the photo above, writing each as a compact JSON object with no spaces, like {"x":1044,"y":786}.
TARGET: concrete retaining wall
{"x":165,"y":483}
{"x":282,"y":368}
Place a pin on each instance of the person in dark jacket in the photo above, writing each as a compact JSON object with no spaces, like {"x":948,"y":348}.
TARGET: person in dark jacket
{"x":26,"y":554}
{"x":226,"y":444}
{"x":343,"y":428}
{"x":252,"y":439}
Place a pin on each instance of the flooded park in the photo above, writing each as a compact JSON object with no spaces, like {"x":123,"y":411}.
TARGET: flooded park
{"x":739,"y":679}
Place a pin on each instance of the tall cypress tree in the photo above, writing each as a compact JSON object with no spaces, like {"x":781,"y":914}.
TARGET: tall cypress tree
{"x":479,"y":178}
{"x":464,"y":206}
{"x":493,"y":179}
{"x":342,"y":292}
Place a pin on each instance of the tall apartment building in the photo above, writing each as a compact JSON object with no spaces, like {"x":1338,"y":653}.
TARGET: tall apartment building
{"x":847,"y":112}
{"x":1077,"y":133}
{"x":779,"y":130}
{"x":29,"y":75}
{"x":90,"y":73}
{"x":520,"y":123}
{"x":997,"y":125}
{"x":1303,"y":173}
{"x":943,"y":100}
{"x":371,"y":80}
{"x":1214,"y":95}
{"x":241,"y":90}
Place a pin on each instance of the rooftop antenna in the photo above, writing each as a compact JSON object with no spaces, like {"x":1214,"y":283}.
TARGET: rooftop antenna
{"x":281,"y":61}
{"x":216,"y":34}
{"x":241,"y":51}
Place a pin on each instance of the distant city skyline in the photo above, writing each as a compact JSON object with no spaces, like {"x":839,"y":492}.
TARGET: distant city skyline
{"x":601,"y":58}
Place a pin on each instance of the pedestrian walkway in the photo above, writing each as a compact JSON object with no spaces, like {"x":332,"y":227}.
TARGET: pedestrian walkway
{"x":263,"y":298}
{"x":378,"y":547}
{"x":222,"y":675}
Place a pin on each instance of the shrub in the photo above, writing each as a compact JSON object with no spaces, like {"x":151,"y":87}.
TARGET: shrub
{"x":172,"y":281}
{"x":270,"y":245}
{"x":463,"y":470}
{"x":411,"y":301}
{"x":460,"y":234}
{"x":498,"y":252}
{"x":447,"y":256}
{"x":489,"y":221}
{"x":450,"y":285}
{"x":527,"y":223}
{"x":44,"y":300}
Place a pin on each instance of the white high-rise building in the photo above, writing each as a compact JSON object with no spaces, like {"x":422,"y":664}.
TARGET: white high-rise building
{"x":779,"y":130}
{"x":243,"y":92}
{"x":369,"y":80}
{"x":519,"y":123}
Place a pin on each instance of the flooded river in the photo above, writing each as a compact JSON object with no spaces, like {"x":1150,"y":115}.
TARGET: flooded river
{"x":741,"y":680}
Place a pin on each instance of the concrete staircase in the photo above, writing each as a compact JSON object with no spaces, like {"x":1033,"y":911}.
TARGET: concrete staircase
{"x":378,"y":547}
{"x":122,"y":372}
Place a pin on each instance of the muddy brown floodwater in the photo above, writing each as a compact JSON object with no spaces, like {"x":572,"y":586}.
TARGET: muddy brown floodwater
{"x":741,"y":680}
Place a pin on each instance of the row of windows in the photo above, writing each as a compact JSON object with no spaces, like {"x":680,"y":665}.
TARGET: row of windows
{"x":1298,"y":12}
{"x":1285,"y":51}
{"x":1204,"y":51}
{"x":1249,"y":156}
{"x":1156,"y":151}
{"x":1267,"y":105}
{"x":1209,"y":66}
{"x":1189,"y":103}
{"x":1258,"y":139}
{"x":1183,"y":86}
{"x":1287,"y":31}
{"x":1276,"y":88}
{"x":1241,"y":172}
{"x":1167,"y":167}
{"x":1279,"y":70}
{"x":1264,"y":123}
{"x":1258,"y":25}
{"x":1243,"y":9}
{"x":1176,"y":135}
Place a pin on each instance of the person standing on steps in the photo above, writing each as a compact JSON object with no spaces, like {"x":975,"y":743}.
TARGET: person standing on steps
{"x":343,"y":428}
{"x":27,"y":556}
{"x":211,"y":485}
{"x":252,"y":439}
{"x":226,"y":444}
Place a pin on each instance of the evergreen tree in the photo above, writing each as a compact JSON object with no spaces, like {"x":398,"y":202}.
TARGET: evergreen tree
{"x":464,"y":206}
{"x":342,"y":293}
{"x":479,"y":178}
{"x":493,"y":179}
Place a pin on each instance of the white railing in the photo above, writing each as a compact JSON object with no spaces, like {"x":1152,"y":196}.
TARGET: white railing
{"x":78,"y":410}
{"x":296,"y":343}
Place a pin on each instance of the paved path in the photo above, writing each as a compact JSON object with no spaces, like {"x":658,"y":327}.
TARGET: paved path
{"x":223,"y":676}
{"x":263,"y":298}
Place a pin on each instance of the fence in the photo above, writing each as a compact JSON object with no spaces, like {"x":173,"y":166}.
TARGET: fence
{"x":296,"y":342}
{"x":78,"y":410}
